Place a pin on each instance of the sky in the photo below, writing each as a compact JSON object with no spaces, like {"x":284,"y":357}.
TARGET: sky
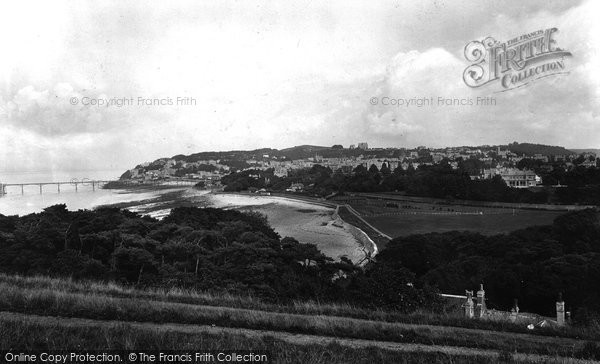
{"x":276,"y":74}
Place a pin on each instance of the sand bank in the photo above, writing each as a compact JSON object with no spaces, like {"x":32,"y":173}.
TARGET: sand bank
{"x":305,"y":221}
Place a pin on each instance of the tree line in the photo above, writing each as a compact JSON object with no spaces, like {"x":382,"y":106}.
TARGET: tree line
{"x":226,"y":250}
{"x":437,"y":181}
{"x":201,"y":248}
{"x":532,"y":265}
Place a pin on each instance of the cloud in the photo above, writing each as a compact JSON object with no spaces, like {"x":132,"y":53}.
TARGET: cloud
{"x":49,"y":112}
{"x":276,"y":75}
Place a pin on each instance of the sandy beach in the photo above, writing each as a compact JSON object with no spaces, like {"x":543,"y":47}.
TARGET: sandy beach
{"x":307,"y":222}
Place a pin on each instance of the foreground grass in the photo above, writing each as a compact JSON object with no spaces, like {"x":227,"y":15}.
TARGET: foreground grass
{"x":26,"y":336}
{"x":178,"y":295}
{"x":53,"y":302}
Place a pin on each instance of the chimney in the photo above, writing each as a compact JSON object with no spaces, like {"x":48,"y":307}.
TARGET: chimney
{"x":560,"y":311}
{"x":480,"y":308}
{"x":469,"y":305}
{"x":514,"y":312}
{"x":515,"y":307}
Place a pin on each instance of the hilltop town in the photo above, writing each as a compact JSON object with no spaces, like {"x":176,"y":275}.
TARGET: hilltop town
{"x":519,"y":165}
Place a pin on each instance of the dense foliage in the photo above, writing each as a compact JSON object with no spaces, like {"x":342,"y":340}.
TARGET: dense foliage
{"x":533,"y":264}
{"x":530,"y":149}
{"x":438,"y":181}
{"x":227,"y":250}
{"x":208,"y":249}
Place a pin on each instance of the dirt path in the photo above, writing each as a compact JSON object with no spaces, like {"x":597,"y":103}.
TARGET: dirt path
{"x":296,"y":339}
{"x":325,"y":322}
{"x":355,"y":213}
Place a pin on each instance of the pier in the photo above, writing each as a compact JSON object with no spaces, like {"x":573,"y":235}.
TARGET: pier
{"x":77,"y":183}
{"x":99,"y":184}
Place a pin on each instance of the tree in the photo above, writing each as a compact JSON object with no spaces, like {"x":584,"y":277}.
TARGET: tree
{"x":385,"y":170}
{"x":132,"y":262}
{"x":373,"y":170}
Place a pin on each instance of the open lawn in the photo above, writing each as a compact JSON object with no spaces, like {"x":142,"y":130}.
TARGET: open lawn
{"x":401,"y":223}
{"x":404,"y":215}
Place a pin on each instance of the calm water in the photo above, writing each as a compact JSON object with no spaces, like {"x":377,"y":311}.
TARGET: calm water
{"x":17,"y":203}
{"x":305,"y":222}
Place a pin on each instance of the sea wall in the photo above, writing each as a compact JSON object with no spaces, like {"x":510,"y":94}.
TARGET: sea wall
{"x":357,"y":233}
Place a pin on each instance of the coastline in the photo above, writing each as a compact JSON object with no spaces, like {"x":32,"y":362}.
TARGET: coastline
{"x":362,"y":238}
{"x":309,"y":220}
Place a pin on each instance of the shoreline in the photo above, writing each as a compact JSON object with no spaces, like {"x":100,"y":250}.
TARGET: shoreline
{"x":362,"y":237}
{"x":334,"y":236}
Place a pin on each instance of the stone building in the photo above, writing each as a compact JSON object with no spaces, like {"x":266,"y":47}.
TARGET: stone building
{"x":475,"y":308}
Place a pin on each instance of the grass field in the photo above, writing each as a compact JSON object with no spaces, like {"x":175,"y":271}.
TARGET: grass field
{"x":487,"y":224}
{"x":153,"y":318}
{"x":405,"y":218}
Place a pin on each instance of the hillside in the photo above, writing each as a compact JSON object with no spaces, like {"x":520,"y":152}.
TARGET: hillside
{"x":222,"y":162}
{"x":589,"y":150}
{"x":99,"y":316}
{"x":212,"y":278}
{"x":530,"y":149}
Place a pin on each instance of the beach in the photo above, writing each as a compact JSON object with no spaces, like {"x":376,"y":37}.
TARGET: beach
{"x":307,"y":222}
{"x":304,"y":220}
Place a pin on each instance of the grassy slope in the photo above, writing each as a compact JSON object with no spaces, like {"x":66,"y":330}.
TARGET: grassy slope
{"x":26,"y":333}
{"x":33,"y":332}
{"x":51,"y":297}
{"x":176,"y":295}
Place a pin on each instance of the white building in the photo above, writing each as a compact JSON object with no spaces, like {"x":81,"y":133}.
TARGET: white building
{"x":514,"y":177}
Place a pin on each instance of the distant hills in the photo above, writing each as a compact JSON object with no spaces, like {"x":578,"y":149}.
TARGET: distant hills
{"x":590,"y":150}
{"x":531,"y":149}
{"x":297,"y":152}
{"x":308,"y":151}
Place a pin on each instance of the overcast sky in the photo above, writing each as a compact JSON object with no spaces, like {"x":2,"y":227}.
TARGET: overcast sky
{"x":276,"y":74}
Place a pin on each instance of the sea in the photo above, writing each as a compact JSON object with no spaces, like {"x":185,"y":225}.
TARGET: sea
{"x":29,"y":200}
{"x":304,"y":221}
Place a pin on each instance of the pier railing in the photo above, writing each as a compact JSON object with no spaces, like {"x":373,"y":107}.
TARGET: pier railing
{"x":77,"y":183}
{"x":95,"y":184}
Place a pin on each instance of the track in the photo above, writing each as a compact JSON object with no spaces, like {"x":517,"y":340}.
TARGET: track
{"x":296,"y":339}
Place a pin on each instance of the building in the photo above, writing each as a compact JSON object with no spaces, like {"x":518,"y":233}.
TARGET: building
{"x":475,"y":308}
{"x":363,"y":146}
{"x":588,"y":163}
{"x":514,"y":177}
{"x":296,"y":187}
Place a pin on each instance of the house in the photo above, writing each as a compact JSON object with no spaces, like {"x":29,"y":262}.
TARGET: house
{"x":588,"y":163}
{"x":514,"y":177}
{"x":296,"y":187}
{"x":474,"y":307}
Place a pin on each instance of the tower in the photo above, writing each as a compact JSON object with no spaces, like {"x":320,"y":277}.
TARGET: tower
{"x":480,"y":308}
{"x":560,"y":310}
{"x":469,"y":305}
